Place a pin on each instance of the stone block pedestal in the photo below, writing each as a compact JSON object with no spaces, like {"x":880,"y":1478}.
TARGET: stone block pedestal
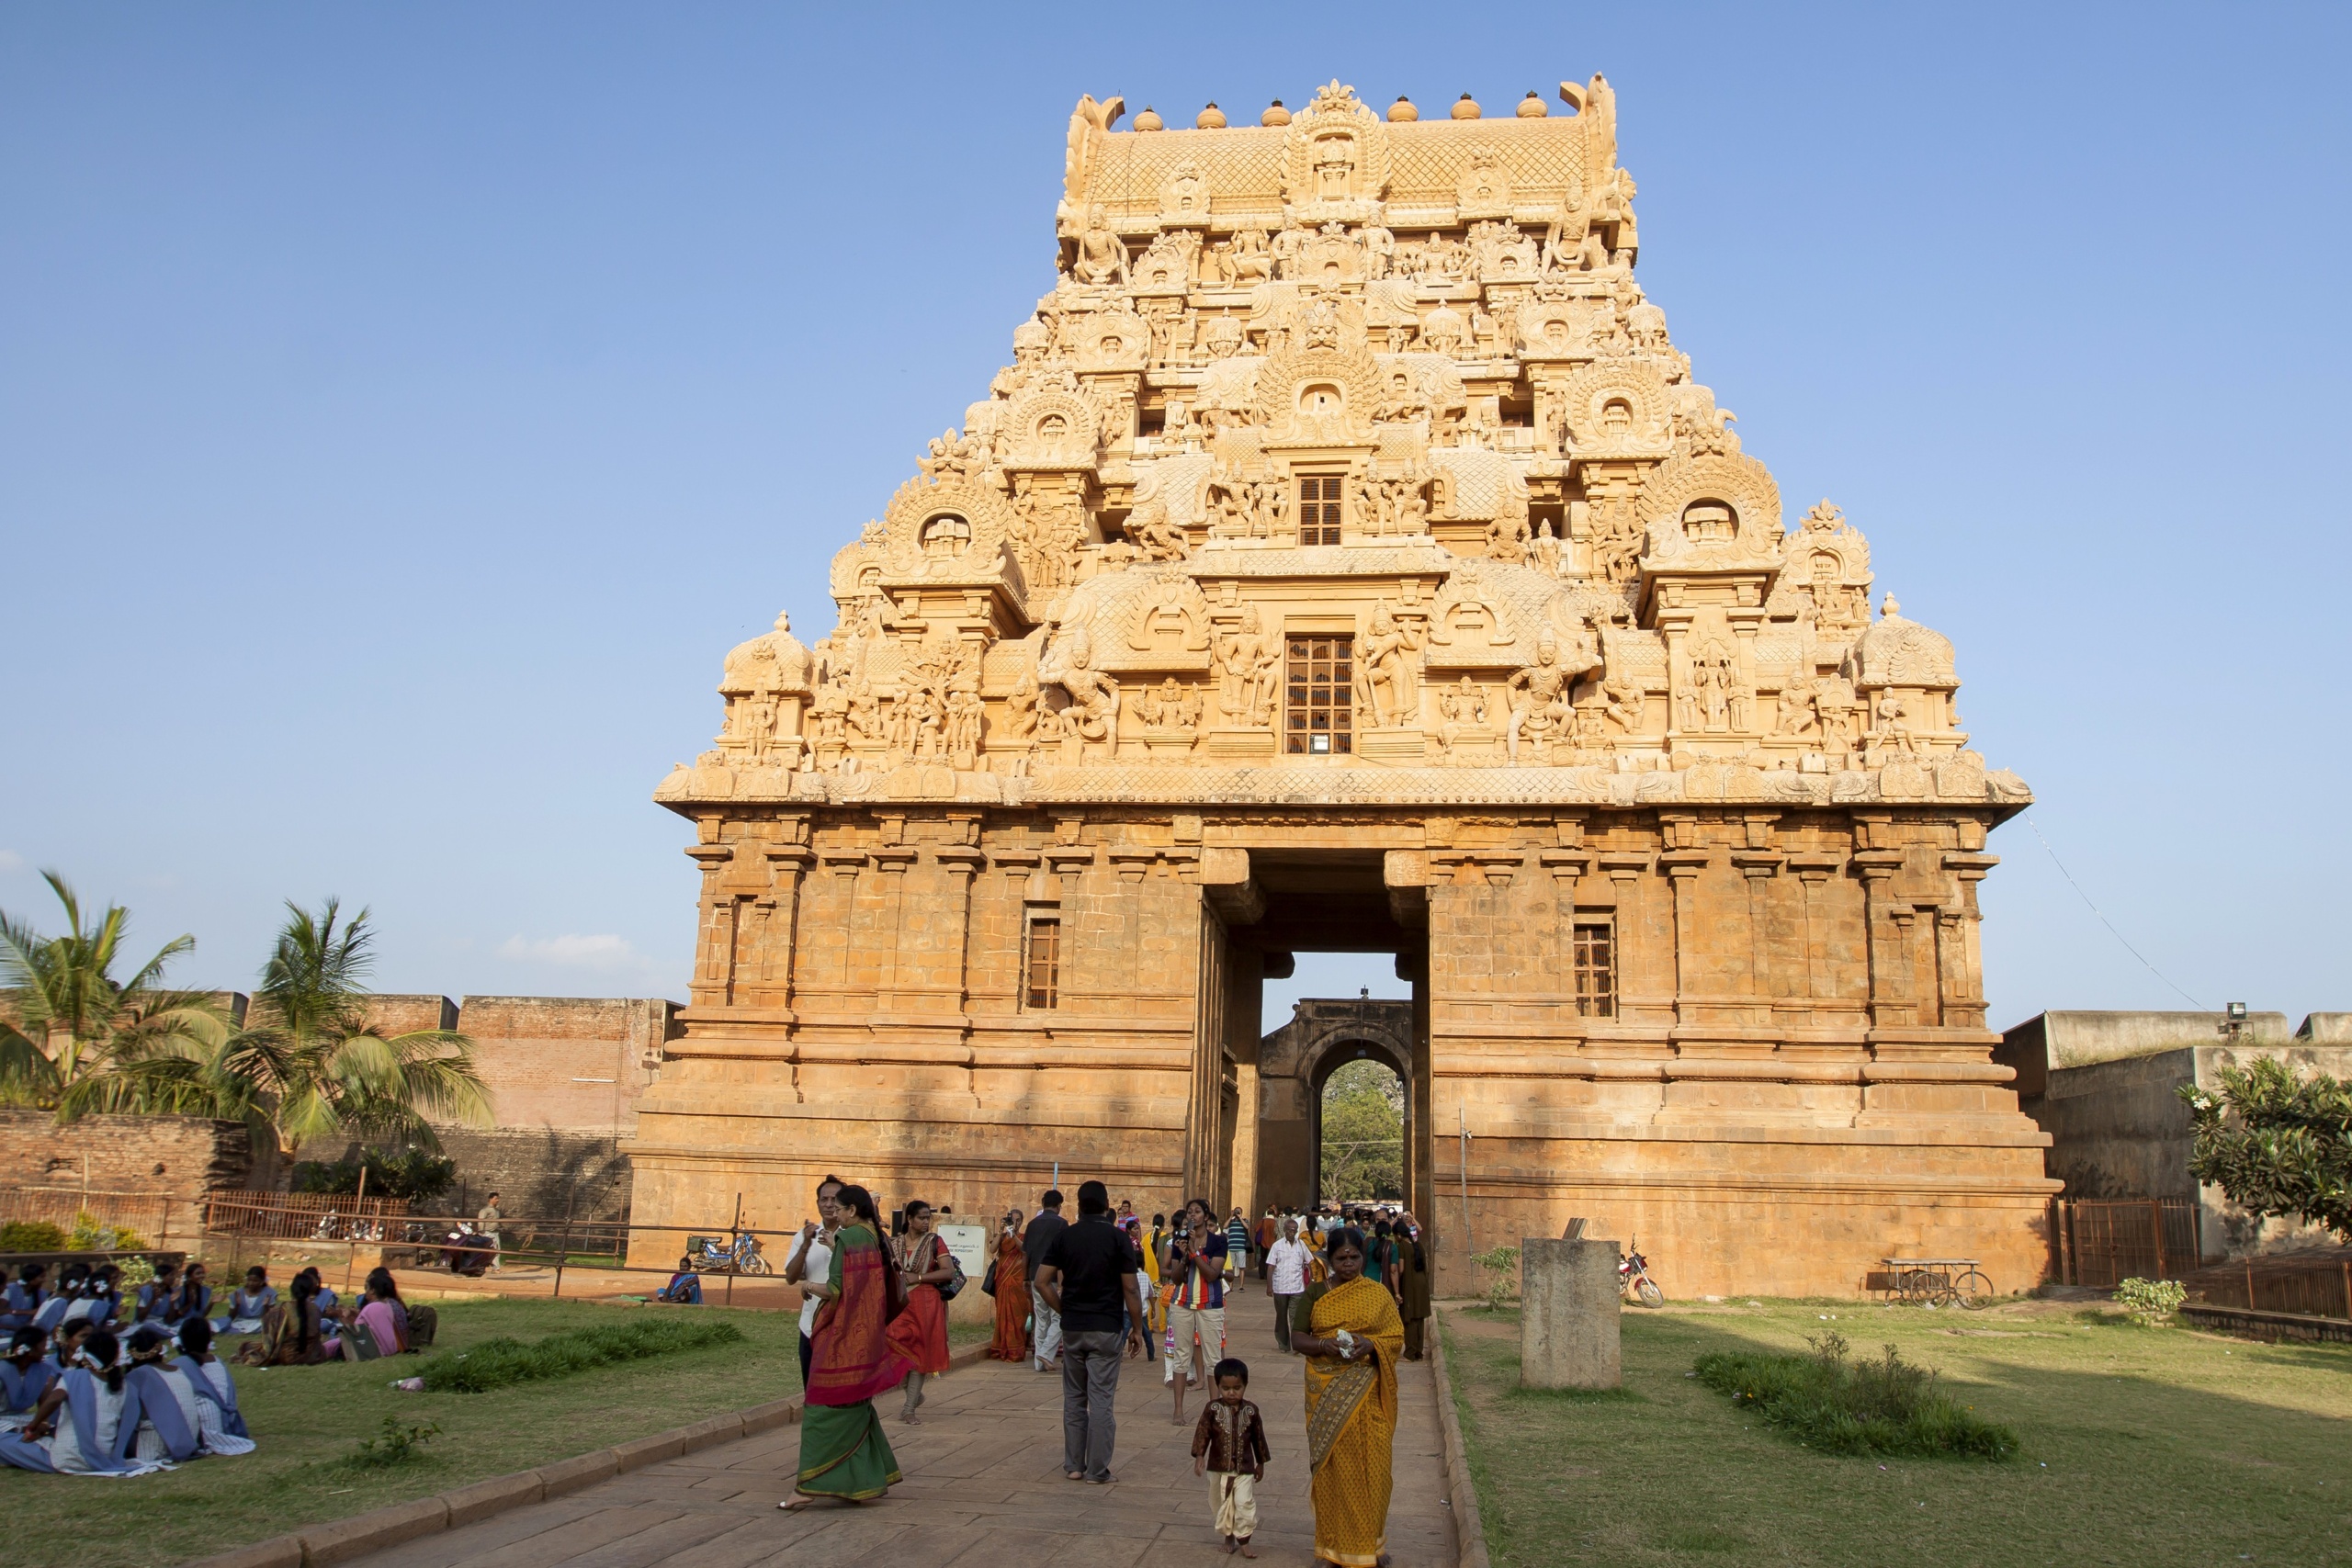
{"x":1568,"y":1304}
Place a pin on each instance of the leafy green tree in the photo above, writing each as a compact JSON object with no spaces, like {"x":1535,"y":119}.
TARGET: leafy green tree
{"x":72,"y":1034}
{"x":311,"y":1065}
{"x":2276,"y":1143}
{"x":1363,"y":1134}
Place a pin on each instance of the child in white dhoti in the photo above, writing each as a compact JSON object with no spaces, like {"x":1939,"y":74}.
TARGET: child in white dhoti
{"x":1229,"y":1448}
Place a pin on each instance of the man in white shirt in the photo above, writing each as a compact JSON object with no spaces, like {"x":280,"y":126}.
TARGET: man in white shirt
{"x":813,"y":1258}
{"x":1286,"y":1270}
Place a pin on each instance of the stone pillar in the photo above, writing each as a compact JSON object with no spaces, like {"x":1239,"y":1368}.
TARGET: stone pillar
{"x":1568,"y":1306}
{"x":1888,"y":998}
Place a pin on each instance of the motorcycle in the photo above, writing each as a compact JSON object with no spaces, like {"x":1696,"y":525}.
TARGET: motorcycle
{"x":740,"y":1256}
{"x":1634,"y":1274}
{"x":466,"y":1251}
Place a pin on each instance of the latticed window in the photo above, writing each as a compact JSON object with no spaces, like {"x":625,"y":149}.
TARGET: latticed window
{"x":1321,"y":683}
{"x":1318,"y":509}
{"x":1596,"y":970}
{"x":1045,"y":960}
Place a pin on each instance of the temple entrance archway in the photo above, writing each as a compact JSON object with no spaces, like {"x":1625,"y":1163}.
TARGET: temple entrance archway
{"x":1359,"y":1151}
{"x":1296,"y":1063}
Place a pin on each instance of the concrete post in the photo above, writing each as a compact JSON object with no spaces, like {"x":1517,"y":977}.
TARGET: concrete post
{"x":1568,"y":1304}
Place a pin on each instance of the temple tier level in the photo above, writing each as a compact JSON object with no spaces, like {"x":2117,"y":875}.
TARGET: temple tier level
{"x":1348,"y":561}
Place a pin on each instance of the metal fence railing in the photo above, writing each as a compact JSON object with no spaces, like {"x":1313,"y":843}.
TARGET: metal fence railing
{"x":2310,"y":1284}
{"x":302,"y":1216}
{"x":2103,"y":1242}
{"x":401,"y":1238}
{"x":149,"y":1215}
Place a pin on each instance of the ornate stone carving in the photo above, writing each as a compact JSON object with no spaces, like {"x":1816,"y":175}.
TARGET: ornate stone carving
{"x":1485,"y":187}
{"x":1113,"y":339}
{"x":1091,"y":697}
{"x":1388,"y":663}
{"x":1248,"y":666}
{"x":1336,"y":159}
{"x":1539,"y":693}
{"x":1102,"y":256}
{"x":1706,"y":509}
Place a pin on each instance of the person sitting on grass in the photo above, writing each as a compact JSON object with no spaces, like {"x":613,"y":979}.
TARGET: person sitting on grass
{"x":293,"y":1332}
{"x":166,"y":1430}
{"x":418,"y":1324}
{"x":74,"y":1427}
{"x":71,"y":1279}
{"x":379,"y":1326}
{"x":684,"y":1287}
{"x":101,"y":1299}
{"x":24,"y":1376}
{"x":152,"y":1302}
{"x":65,"y":1344}
{"x":24,"y":1297}
{"x":221,"y":1426}
{"x":195,"y":1297}
{"x":328,"y":1299}
{"x":246,"y":1305}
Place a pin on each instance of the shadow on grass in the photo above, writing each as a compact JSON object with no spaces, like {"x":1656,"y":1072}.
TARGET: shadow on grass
{"x":2130,"y":1452}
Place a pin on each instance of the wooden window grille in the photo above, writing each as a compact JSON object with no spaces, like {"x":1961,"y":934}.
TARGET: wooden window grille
{"x":1321,"y":683}
{"x":1318,"y":509}
{"x":1045,"y":960}
{"x":1596,"y":970}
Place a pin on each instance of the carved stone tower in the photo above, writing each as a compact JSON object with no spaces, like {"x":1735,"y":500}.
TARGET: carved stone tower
{"x":1348,"y":561}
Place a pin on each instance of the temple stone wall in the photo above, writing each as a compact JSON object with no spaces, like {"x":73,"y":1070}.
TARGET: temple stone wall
{"x":2105,"y":1086}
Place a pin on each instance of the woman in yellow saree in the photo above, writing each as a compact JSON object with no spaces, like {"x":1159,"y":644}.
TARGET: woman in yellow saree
{"x":1350,"y":1336}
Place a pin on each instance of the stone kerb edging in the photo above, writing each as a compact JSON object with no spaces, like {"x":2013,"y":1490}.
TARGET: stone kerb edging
{"x":1469,"y":1530}
{"x":340,"y":1540}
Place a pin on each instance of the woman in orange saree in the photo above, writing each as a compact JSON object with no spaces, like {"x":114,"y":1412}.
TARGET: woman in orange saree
{"x":1010,"y":1285}
{"x":1351,"y":1339}
{"x":919,"y":1335}
{"x":844,"y":1454}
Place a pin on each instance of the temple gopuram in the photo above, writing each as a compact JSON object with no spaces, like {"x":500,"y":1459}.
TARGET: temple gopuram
{"x":1349,"y":559}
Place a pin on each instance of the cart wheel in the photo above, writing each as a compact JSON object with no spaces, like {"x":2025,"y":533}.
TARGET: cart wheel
{"x":1651,"y":1295}
{"x":1975,"y":1292}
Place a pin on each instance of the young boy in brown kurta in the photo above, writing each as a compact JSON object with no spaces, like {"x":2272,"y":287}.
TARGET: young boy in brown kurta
{"x":1229,"y":1447}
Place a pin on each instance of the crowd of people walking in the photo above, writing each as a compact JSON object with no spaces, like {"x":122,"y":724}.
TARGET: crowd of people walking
{"x":1079,"y":1298}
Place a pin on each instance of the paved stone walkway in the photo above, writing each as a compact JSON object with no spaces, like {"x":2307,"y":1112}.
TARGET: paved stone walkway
{"x":984,"y":1486}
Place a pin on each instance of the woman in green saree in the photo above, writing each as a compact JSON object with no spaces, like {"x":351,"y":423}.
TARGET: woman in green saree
{"x":844,"y":1454}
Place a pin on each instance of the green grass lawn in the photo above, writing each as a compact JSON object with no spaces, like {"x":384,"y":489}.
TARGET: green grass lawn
{"x":305,"y":1418}
{"x":2146,"y":1448}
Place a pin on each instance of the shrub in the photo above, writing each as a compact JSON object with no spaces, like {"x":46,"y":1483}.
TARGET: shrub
{"x":1501,"y":1264}
{"x":397,"y":1444}
{"x":91,"y":1236}
{"x":1826,"y":1401}
{"x":31,"y":1235}
{"x":2151,"y":1303}
{"x":495,"y":1363}
{"x":416,"y":1175}
{"x":137,"y":1271}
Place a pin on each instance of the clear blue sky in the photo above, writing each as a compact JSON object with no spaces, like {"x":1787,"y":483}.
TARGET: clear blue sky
{"x":401,"y":410}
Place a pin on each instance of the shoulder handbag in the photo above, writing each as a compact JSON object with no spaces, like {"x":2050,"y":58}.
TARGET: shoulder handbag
{"x":988,"y":1285}
{"x":948,"y":1291}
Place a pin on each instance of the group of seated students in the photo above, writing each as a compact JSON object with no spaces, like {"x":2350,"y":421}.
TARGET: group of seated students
{"x":91,"y":1403}
{"x":96,"y":1384}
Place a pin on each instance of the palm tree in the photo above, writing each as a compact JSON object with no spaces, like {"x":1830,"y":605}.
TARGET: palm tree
{"x":71,"y":1034}
{"x":312,"y":1066}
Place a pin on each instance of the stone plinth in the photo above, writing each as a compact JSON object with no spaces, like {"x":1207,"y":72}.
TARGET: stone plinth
{"x":1568,"y":1323}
